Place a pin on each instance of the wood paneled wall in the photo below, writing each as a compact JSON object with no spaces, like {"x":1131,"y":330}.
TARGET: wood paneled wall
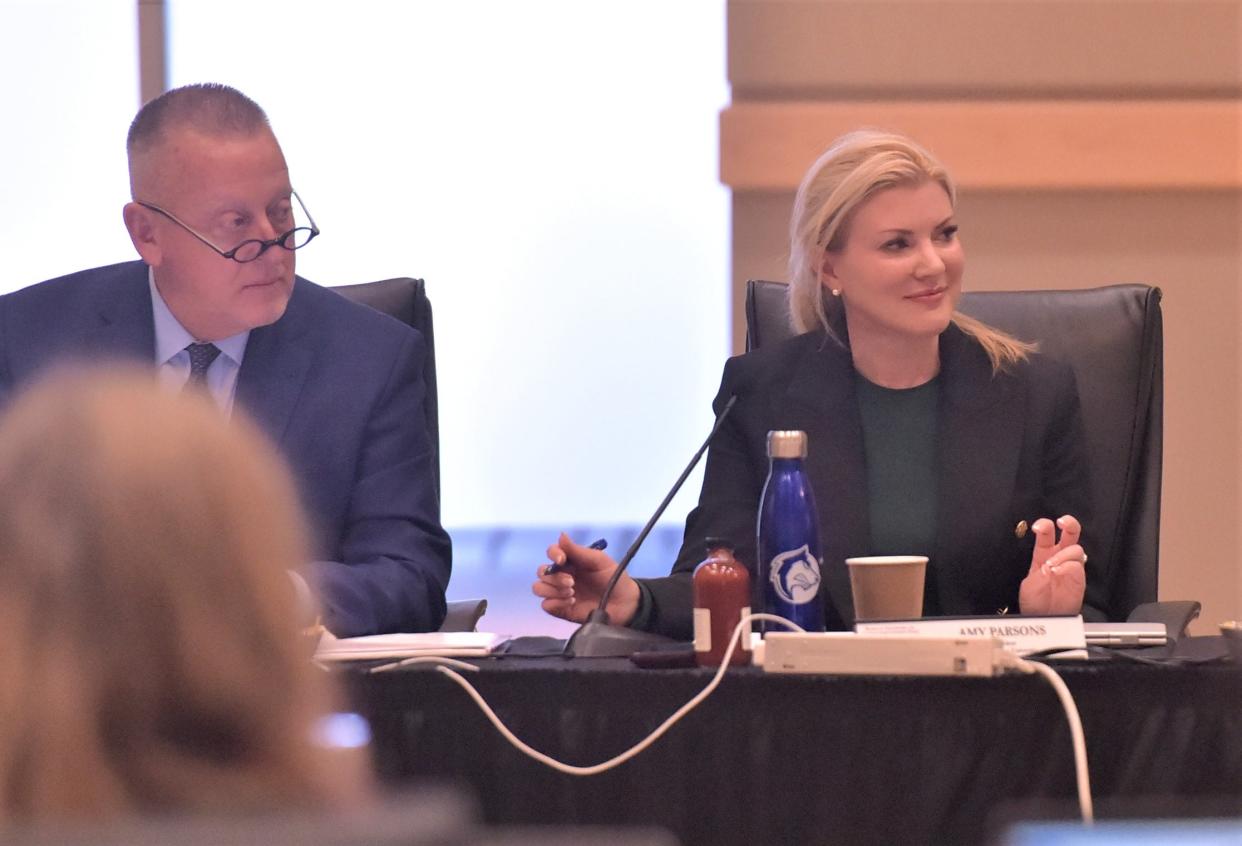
{"x":152,"y":50}
{"x":1095,"y":141}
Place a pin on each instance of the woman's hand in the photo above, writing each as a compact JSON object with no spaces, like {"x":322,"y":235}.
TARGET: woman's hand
{"x":574,"y":592}
{"x":1058,"y":576}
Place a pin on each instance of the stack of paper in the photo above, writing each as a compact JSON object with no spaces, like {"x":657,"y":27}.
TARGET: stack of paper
{"x":454,"y":644}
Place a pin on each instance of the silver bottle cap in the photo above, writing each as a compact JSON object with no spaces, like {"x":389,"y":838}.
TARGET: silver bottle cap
{"x":786,"y":444}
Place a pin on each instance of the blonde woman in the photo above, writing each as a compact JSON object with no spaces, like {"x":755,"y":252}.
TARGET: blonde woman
{"x":929,"y":432}
{"x":147,"y":623}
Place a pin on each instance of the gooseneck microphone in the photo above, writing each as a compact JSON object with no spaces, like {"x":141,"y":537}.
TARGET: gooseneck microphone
{"x":597,"y":637}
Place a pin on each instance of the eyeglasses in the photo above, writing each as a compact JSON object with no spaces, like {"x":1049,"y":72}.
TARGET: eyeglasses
{"x":247,"y":251}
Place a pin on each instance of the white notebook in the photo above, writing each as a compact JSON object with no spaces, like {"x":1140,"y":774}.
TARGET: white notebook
{"x":452,"y":644}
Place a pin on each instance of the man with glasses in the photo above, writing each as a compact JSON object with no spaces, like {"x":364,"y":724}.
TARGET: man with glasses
{"x":215,"y":304}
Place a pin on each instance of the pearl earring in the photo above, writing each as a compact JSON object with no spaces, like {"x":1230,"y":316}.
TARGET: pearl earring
{"x":836,"y":292}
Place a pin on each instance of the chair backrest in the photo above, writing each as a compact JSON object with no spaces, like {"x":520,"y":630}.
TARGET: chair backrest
{"x":406,"y":299}
{"x":1112,"y":337}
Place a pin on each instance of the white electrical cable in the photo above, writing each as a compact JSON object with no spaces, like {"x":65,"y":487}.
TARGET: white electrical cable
{"x":636,"y":748}
{"x":438,"y":660}
{"x":445,"y":665}
{"x":1075,"y":726}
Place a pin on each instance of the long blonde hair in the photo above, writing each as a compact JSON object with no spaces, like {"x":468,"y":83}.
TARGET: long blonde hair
{"x":147,"y":623}
{"x":854,"y":168}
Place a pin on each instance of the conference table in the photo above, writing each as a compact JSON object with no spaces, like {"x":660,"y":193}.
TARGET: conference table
{"x":812,"y":759}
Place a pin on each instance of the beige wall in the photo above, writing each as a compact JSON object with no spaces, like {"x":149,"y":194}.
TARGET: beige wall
{"x":1095,"y":142}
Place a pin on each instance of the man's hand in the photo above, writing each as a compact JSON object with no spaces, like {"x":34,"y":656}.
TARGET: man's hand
{"x":574,"y":592}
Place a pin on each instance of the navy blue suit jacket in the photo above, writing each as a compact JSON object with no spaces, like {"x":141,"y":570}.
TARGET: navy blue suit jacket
{"x":336,"y":385}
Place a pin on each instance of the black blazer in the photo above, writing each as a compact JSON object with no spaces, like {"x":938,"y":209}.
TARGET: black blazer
{"x":1010,"y":449}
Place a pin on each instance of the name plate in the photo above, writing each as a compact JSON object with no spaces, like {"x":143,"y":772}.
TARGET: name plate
{"x":1020,"y":635}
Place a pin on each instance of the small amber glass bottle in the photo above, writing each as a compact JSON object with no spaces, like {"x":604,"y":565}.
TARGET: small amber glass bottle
{"x":721,"y":599}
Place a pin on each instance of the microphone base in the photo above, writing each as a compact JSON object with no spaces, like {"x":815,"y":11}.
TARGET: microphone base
{"x":602,"y":640}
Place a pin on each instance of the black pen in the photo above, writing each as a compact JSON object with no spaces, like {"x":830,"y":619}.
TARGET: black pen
{"x":557,"y":568}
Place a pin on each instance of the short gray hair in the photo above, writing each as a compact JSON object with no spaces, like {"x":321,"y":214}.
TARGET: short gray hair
{"x":208,"y":107}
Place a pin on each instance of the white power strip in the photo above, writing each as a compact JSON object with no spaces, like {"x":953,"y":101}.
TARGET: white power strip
{"x":852,"y":654}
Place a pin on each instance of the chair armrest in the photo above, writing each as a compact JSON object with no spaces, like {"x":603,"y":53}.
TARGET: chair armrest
{"x":1175,"y":614}
{"x":463,"y":615}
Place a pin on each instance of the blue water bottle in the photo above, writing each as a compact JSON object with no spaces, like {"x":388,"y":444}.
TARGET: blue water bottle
{"x":788,"y":576}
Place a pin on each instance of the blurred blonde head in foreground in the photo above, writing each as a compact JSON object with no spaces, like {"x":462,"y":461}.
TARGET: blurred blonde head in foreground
{"x":148,"y":639}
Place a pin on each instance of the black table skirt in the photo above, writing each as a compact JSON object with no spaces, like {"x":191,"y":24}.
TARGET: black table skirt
{"x":808,"y":759}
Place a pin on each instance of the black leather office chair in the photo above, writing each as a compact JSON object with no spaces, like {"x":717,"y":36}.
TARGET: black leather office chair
{"x":406,"y":299}
{"x":1113,"y":339}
